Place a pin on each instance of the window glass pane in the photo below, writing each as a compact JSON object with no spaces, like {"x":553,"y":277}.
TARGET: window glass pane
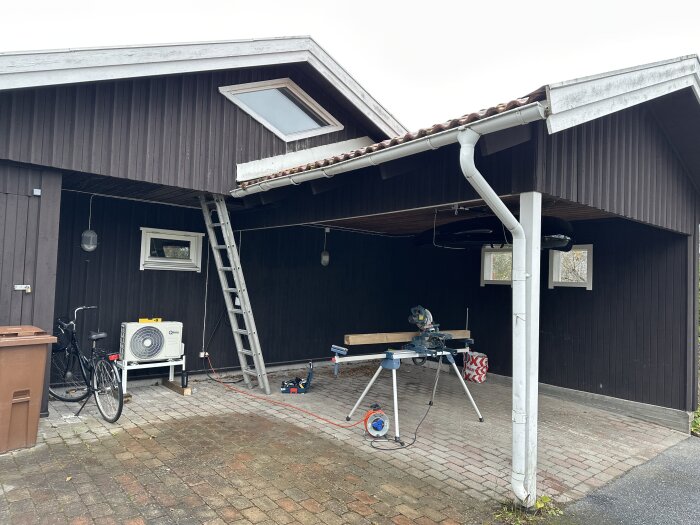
{"x":282,"y":109}
{"x":170,"y":248}
{"x":573,"y":266}
{"x":501,"y":266}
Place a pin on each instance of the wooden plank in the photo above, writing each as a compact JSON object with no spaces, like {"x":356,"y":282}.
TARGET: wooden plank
{"x":395,"y":337}
{"x":176,"y":387}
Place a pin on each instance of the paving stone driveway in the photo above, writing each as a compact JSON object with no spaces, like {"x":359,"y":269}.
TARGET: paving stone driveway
{"x":219,"y":456}
{"x":240,"y":468}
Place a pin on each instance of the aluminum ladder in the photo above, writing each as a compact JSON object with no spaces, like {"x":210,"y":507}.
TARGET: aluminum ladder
{"x":240,"y":313}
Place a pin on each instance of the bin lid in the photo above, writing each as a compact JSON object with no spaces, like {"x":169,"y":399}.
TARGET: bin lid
{"x":23,"y":335}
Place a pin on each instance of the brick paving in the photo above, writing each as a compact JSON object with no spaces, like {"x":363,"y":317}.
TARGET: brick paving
{"x":222,"y":457}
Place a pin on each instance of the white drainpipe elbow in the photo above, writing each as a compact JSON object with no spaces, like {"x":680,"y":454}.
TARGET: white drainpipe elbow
{"x":468,"y":139}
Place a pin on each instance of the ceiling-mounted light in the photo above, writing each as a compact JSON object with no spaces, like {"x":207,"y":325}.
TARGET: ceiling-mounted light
{"x":88,"y":239}
{"x":325,"y":256}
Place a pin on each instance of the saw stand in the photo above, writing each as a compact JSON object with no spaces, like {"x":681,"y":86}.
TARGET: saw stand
{"x":392,"y":361}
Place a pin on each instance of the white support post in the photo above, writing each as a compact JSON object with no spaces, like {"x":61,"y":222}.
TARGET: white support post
{"x":531,"y":220}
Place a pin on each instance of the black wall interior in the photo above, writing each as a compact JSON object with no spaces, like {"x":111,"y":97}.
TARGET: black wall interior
{"x":300,"y":307}
{"x":625,"y":338}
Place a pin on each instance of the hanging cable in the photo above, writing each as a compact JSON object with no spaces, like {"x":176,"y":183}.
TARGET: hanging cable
{"x":206,"y":296}
{"x":434,"y":232}
{"x":90,"y":213}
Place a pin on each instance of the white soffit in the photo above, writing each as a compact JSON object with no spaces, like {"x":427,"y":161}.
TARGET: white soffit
{"x":68,"y":66}
{"x":264,"y":167}
{"x":581,"y":100}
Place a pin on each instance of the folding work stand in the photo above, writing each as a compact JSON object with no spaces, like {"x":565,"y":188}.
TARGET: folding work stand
{"x":391,"y":360}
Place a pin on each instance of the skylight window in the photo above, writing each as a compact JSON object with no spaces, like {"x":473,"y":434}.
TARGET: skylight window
{"x":283,"y":108}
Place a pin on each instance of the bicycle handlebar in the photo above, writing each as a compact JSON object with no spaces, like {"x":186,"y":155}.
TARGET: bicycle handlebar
{"x":75,"y":313}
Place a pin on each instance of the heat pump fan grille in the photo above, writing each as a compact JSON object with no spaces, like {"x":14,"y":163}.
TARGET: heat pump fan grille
{"x":147,"y":342}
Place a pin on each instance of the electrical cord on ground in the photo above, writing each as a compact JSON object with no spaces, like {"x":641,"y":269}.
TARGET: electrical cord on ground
{"x":219,"y":379}
{"x":206,"y":346}
{"x":282,"y":403}
{"x":399,"y":446}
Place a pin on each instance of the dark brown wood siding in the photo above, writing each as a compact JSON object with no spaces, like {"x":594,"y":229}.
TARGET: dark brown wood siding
{"x":622,"y":163}
{"x":300,"y":307}
{"x":28,"y":242}
{"x":176,"y":130}
{"x":626,"y":338}
{"x":427,"y":179}
{"x":28,"y":239}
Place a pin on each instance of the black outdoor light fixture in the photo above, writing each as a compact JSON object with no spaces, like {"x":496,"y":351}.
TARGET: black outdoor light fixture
{"x":325,"y":256}
{"x":88,"y":239}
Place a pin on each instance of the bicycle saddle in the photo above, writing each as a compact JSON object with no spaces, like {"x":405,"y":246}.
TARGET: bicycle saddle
{"x":96,"y":336}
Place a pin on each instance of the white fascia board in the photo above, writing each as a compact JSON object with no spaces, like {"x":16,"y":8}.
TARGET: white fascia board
{"x":68,"y":66}
{"x":352,"y":90}
{"x":581,"y":100}
{"x":264,"y":167}
{"x":31,"y":69}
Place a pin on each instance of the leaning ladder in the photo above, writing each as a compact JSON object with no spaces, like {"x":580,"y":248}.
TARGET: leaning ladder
{"x":240,"y":313}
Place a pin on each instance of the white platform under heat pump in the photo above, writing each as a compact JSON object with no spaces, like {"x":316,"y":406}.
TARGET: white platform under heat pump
{"x":145,"y":342}
{"x":150,"y":345}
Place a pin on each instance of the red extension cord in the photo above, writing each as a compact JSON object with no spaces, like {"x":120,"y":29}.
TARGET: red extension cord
{"x":288,"y":405}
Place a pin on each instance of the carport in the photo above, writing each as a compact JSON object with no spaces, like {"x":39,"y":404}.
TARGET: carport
{"x":614,"y":162}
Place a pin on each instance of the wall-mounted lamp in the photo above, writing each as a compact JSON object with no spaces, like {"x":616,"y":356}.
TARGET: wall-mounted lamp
{"x":88,"y":239}
{"x":325,"y":256}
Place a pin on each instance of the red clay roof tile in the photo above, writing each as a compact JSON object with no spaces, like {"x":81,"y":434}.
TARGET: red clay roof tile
{"x":536,"y":96}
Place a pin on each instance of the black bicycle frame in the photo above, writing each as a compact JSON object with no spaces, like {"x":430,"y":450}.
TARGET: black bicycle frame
{"x":73,"y":349}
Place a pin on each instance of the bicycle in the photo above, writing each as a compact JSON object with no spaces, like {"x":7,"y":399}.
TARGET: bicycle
{"x":75,"y":376}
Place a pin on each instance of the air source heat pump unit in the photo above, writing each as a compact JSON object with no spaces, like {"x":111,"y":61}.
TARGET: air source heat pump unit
{"x":142,"y":342}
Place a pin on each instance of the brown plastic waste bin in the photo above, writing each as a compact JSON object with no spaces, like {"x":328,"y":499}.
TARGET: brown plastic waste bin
{"x":23,"y":353}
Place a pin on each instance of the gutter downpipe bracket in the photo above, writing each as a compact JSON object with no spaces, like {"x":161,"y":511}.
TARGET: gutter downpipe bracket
{"x":468,"y":138}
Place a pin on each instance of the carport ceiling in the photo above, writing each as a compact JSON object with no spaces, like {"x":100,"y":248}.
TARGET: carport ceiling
{"x":409,"y":222}
{"x":129,"y":189}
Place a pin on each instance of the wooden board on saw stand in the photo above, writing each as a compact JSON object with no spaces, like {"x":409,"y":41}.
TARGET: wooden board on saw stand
{"x":395,"y":337}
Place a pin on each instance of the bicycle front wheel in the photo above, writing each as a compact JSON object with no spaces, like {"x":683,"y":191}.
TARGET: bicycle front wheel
{"x":66,"y":382}
{"x":108,"y":390}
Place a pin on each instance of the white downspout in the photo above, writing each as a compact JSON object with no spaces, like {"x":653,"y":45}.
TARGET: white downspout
{"x":468,"y":139}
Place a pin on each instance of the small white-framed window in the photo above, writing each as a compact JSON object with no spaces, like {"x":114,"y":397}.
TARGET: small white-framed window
{"x":496,"y":265}
{"x":171,"y":250}
{"x":573,"y":269}
{"x":283,"y":108}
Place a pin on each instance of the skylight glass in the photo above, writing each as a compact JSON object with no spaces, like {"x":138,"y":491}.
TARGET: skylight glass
{"x":282,"y":107}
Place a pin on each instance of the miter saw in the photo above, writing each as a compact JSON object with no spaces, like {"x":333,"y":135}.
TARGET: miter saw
{"x":430,"y":339}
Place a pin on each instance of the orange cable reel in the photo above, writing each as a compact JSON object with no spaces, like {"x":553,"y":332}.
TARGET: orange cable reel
{"x":375,"y":421}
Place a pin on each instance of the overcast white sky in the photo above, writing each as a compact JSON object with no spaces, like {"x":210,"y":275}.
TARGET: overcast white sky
{"x":425,"y":61}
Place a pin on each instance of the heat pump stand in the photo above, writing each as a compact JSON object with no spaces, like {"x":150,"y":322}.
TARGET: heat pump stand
{"x":125,"y":366}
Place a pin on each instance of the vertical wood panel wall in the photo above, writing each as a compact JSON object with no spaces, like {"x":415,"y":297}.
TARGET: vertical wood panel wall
{"x":622,"y":163}
{"x":28,"y":243}
{"x":301,"y":308}
{"x":625,"y":338}
{"x":28,"y":239}
{"x":176,"y":130}
{"x":427,"y":179}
